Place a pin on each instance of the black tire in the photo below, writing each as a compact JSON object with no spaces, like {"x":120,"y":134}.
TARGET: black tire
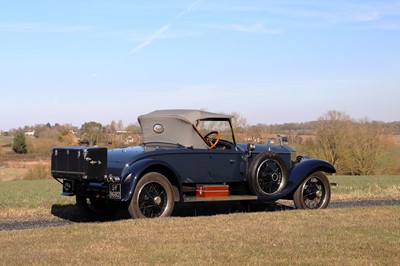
{"x":153,"y":197}
{"x":313,"y":193}
{"x":267,"y":174}
{"x":96,"y":209}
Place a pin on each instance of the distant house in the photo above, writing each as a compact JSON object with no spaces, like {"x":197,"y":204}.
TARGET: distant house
{"x":129,"y":139}
{"x":29,"y":132}
{"x":134,"y":138}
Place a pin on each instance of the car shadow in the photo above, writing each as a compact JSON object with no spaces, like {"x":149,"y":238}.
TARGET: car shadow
{"x":215,"y":208}
{"x":70,"y":212}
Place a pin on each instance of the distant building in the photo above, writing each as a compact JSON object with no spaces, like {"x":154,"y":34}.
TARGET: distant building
{"x":129,"y":139}
{"x":121,"y":132}
{"x":29,"y":132}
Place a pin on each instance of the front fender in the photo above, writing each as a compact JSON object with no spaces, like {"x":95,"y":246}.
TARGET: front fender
{"x":133,"y":172}
{"x":297,"y":174}
{"x":305,"y":168}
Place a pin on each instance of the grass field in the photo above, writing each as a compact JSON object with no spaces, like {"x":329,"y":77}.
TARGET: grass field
{"x":362,"y":187}
{"x":356,"y":236}
{"x":365,"y":236}
{"x":6,"y":140}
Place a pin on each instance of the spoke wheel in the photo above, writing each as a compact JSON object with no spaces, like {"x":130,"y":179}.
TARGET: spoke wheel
{"x":313,"y":193}
{"x":152,"y":198}
{"x":268,"y":174}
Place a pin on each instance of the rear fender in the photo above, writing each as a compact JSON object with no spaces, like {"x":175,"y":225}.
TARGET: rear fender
{"x":135,"y":171}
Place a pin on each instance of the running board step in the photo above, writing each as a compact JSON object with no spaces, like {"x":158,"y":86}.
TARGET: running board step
{"x":229,"y":198}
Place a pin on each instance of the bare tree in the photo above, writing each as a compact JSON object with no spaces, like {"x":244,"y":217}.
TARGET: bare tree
{"x":332,"y":135}
{"x":120,"y":126}
{"x":294,"y":138}
{"x":239,"y":122}
{"x":353,"y":147}
{"x":368,"y":143}
{"x":112,"y":128}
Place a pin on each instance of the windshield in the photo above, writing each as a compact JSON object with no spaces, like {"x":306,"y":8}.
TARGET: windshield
{"x":222,"y":126}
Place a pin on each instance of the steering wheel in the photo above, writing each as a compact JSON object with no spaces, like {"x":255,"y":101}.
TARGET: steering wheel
{"x":209,"y":140}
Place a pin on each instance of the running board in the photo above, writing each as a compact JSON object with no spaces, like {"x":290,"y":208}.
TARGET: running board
{"x":229,"y":198}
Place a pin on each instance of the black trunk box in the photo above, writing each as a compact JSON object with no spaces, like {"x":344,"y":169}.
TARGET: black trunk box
{"x":78,"y":162}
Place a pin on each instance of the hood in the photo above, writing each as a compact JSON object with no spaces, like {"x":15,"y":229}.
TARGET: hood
{"x":264,"y":147}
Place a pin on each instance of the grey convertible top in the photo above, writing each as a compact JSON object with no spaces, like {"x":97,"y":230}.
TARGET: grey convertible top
{"x":176,"y":126}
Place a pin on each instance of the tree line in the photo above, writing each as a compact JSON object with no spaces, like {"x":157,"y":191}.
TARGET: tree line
{"x":356,"y":147}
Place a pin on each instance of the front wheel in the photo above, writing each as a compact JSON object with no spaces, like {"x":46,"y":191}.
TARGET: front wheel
{"x":153,"y":197}
{"x":313,"y":193}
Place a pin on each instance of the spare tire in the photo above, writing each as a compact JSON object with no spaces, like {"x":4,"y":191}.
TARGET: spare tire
{"x":267,"y":174}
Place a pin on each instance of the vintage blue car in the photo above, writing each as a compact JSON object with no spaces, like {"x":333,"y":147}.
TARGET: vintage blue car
{"x":187,"y":156}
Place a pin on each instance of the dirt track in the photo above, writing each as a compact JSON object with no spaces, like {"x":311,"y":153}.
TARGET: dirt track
{"x":58,"y":217}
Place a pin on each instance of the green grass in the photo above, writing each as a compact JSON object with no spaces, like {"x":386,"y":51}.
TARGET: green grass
{"x":362,"y":236}
{"x":355,"y":236}
{"x":359,"y":187}
{"x":6,"y":140}
{"x":31,"y":194}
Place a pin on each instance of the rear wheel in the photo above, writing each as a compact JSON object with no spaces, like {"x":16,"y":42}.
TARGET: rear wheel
{"x":152,"y":198}
{"x":313,"y":193}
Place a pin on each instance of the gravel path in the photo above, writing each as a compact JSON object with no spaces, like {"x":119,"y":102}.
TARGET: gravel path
{"x":58,"y":220}
{"x":34,"y":223}
{"x":364,"y":203}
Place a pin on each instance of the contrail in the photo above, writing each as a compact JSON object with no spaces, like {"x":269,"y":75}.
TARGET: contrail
{"x":151,"y":38}
{"x":155,"y":35}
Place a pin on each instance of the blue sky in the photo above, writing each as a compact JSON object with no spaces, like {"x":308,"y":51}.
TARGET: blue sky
{"x":270,"y":61}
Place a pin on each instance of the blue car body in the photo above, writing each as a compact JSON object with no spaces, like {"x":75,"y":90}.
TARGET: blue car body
{"x":176,"y":157}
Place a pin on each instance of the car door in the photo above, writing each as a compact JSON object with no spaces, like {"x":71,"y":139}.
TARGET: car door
{"x":206,"y":166}
{"x":226,"y":166}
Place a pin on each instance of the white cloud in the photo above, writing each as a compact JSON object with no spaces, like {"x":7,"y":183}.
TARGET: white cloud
{"x":370,"y":16}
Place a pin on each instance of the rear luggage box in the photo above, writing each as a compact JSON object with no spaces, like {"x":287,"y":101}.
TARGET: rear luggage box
{"x":212,"y":191}
{"x":78,"y":162}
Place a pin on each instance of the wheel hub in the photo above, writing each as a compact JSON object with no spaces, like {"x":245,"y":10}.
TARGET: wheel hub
{"x":157,"y":200}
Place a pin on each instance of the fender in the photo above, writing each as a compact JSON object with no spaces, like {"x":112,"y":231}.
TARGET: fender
{"x":133,"y":172}
{"x":298,"y":173}
{"x":304,"y":168}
